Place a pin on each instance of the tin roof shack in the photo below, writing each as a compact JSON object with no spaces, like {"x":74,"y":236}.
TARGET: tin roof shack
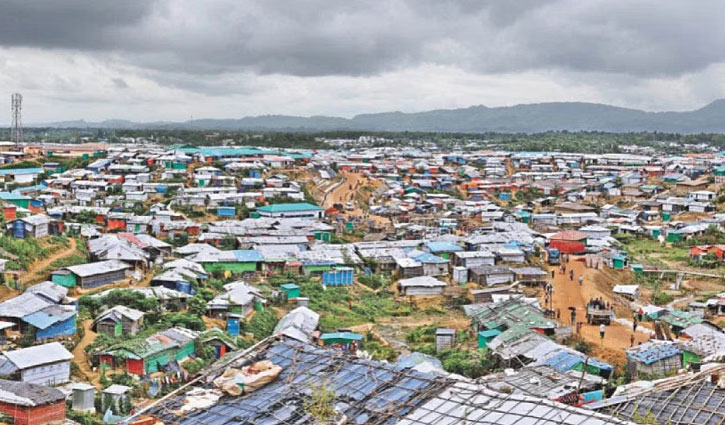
{"x":299,"y":324}
{"x":53,"y":321}
{"x":530,"y":275}
{"x":146,"y":356}
{"x":299,"y":210}
{"x":692,"y":399}
{"x":505,"y":314}
{"x":433,"y":265}
{"x":421,"y":286}
{"x":119,"y":320}
{"x":630,"y":292}
{"x":654,"y":359}
{"x":702,"y":346}
{"x":30,"y":404}
{"x":471,"y":259}
{"x":83,"y":397}
{"x":490,"y":275}
{"x":442,"y":249}
{"x":47,"y":364}
{"x":486,"y":295}
{"x":91,"y":275}
{"x":37,"y":226}
{"x":239,"y":299}
{"x":445,"y":339}
{"x":547,"y":382}
{"x":679,"y":320}
{"x":408,"y":267}
{"x":367,"y":392}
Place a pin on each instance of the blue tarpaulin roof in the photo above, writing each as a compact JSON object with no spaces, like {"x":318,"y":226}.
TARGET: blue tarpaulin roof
{"x":46,"y":318}
{"x":429,"y":258}
{"x":12,"y":171}
{"x":248,"y":256}
{"x":649,"y":353}
{"x":443,"y":247}
{"x":566,"y":360}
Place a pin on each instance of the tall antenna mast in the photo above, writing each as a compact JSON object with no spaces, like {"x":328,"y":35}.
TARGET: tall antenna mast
{"x":16,"y":134}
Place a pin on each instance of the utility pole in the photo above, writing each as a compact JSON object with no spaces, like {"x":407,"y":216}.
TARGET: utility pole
{"x":16,"y":133}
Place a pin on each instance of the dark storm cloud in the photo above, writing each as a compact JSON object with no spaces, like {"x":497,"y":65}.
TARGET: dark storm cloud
{"x":358,"y":38}
{"x":72,"y":24}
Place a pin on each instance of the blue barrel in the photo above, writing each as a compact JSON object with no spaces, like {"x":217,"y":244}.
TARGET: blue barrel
{"x":233,"y":326}
{"x":184,"y":287}
{"x":18,"y":229}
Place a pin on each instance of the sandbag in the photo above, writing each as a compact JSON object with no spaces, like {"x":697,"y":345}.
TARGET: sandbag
{"x":238,"y":381}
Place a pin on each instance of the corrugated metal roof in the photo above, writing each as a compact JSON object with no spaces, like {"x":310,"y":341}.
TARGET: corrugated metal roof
{"x":99,"y":267}
{"x":38,"y":355}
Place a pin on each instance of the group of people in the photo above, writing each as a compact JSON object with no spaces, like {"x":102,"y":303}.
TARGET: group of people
{"x":598,"y":303}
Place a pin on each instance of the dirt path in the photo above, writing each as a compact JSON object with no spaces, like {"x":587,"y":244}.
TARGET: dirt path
{"x":36,"y":271}
{"x":79,"y":354}
{"x":347,"y":192}
{"x":568,"y":293}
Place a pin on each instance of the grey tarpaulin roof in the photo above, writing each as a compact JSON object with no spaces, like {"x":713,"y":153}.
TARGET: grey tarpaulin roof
{"x":299,"y":324}
{"x":370,"y":392}
{"x":475,"y":404}
{"x":689,"y":400}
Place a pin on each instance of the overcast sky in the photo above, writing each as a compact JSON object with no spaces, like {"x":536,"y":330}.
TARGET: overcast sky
{"x":148,"y":60}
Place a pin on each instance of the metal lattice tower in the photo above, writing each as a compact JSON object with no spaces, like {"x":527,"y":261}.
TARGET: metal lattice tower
{"x":16,"y":133}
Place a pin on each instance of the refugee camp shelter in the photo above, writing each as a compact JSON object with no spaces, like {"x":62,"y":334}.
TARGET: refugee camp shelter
{"x":421,"y":286}
{"x":31,"y":404}
{"x":47,"y":364}
{"x":91,"y":275}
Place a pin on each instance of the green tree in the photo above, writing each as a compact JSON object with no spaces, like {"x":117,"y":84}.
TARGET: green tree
{"x":197,"y":305}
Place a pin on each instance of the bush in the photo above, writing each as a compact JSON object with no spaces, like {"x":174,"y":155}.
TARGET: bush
{"x":374,"y":281}
{"x":661,"y":298}
{"x":472,"y":364}
{"x":262,"y":324}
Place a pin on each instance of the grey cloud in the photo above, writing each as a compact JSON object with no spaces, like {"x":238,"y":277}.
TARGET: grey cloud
{"x":120,"y":83}
{"x":642,"y":38}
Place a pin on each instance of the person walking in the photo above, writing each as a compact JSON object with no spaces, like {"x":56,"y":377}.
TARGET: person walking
{"x":552,"y":273}
{"x":581,"y":280}
{"x":571,"y":275}
{"x":634,"y":325}
{"x":631,"y":340}
{"x":602,"y":328}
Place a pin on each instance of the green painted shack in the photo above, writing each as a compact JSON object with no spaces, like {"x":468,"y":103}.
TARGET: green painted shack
{"x":344,"y":338}
{"x":236,"y":262}
{"x":291,"y":290}
{"x":485,"y":337}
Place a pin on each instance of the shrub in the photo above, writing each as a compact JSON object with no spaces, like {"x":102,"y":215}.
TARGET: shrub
{"x":262,"y":324}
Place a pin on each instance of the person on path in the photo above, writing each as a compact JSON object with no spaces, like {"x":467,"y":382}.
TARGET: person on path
{"x":581,"y":280}
{"x":602,"y":328}
{"x":552,"y":273}
{"x":571,"y":275}
{"x":631,"y":340}
{"x":634,"y":325}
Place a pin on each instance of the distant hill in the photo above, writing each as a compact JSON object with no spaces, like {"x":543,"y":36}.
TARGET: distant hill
{"x":530,"y":118}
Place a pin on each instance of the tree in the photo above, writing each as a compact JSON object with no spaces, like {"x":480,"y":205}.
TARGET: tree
{"x":197,"y":305}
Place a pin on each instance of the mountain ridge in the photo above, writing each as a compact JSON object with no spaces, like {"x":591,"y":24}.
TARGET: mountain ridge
{"x":521,"y":118}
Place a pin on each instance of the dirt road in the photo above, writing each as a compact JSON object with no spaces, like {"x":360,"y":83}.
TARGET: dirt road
{"x":36,"y":272}
{"x":568,"y":293}
{"x":347,"y":192}
{"x":79,"y":354}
